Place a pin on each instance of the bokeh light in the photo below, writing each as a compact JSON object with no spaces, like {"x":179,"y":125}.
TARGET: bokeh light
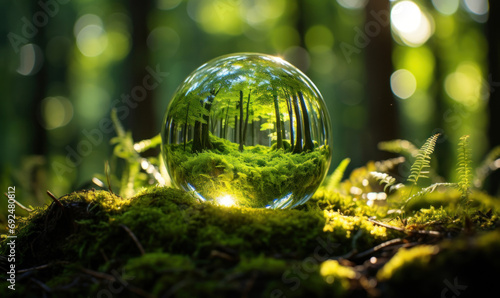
{"x":478,"y":9}
{"x":31,"y":59}
{"x":167,"y":4}
{"x":352,"y":4}
{"x":465,"y":84}
{"x":57,"y":111}
{"x":446,"y":7}
{"x":217,"y":17}
{"x":403,"y":83}
{"x":411,"y":24}
{"x":91,"y":38}
{"x":319,"y":36}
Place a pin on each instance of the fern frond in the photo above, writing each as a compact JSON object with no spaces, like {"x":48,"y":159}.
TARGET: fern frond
{"x":383,"y":178}
{"x":389,"y":164}
{"x":423,"y":160}
{"x":403,"y":147}
{"x":464,"y":168}
{"x":489,"y":164}
{"x":336,"y":177}
{"x":430,"y":189}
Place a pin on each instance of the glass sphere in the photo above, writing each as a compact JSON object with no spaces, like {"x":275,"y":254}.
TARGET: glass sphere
{"x":248,"y":130}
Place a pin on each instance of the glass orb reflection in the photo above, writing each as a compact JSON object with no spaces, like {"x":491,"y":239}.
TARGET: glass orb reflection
{"x":247,"y":130}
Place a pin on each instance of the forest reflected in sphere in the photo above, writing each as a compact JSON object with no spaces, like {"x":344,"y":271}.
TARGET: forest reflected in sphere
{"x":248,"y":130}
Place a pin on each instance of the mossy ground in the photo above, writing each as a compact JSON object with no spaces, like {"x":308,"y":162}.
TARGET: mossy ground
{"x":164,"y":242}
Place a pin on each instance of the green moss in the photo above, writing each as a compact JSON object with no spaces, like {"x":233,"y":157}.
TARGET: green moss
{"x":414,"y":257}
{"x":463,"y":264}
{"x":199,"y":249}
{"x":337,"y":275}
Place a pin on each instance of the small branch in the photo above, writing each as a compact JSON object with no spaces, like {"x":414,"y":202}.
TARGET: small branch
{"x":422,"y":232}
{"x":134,"y":238}
{"x":378,"y":223}
{"x":51,"y":195}
{"x":378,"y":247}
{"x":19,"y":204}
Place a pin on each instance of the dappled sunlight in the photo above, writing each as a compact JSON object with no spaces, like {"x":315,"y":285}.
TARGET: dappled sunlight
{"x":226,"y":201}
{"x":478,"y":9}
{"x":446,"y":7}
{"x":411,"y":24}
{"x":91,"y":38}
{"x":465,"y":84}
{"x":56,"y":111}
{"x":403,"y":83}
{"x":31,"y":59}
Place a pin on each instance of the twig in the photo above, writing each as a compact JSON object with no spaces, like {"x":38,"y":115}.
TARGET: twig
{"x":134,"y":238}
{"x":51,"y":195}
{"x":403,"y":230}
{"x":19,"y":204}
{"x":378,"y":247}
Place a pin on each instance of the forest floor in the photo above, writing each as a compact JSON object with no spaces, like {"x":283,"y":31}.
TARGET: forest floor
{"x":349,"y":241}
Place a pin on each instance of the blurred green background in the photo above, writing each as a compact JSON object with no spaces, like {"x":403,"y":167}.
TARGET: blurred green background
{"x":386,"y":69}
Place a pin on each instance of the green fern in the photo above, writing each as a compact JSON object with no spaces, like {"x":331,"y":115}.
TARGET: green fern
{"x":384,"y":178}
{"x":430,"y":189}
{"x":132,"y":178}
{"x":464,"y":168}
{"x":420,"y":167}
{"x":423,"y":161}
{"x":403,"y":147}
{"x":489,"y":164}
{"x":336,"y":177}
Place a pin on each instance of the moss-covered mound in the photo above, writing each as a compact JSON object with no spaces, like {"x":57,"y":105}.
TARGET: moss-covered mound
{"x":163,"y":243}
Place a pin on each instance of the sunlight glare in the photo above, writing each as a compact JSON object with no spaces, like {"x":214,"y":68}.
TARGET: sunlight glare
{"x":226,"y":201}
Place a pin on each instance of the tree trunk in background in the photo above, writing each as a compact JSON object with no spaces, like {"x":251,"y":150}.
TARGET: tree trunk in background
{"x":142,"y":120}
{"x":494,"y":85}
{"x":383,"y":122}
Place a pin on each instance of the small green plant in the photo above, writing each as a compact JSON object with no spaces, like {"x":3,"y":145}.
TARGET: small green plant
{"x":420,"y":167}
{"x":336,"y":177}
{"x":464,"y":166}
{"x":384,"y":178}
{"x":136,"y":171}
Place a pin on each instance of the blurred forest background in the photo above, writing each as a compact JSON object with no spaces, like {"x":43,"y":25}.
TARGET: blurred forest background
{"x":386,"y":69}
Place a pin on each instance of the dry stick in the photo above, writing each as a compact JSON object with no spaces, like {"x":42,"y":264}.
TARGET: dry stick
{"x":19,"y":204}
{"x":423,"y":232}
{"x":134,"y":238}
{"x":378,"y":247}
{"x":51,"y":195}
